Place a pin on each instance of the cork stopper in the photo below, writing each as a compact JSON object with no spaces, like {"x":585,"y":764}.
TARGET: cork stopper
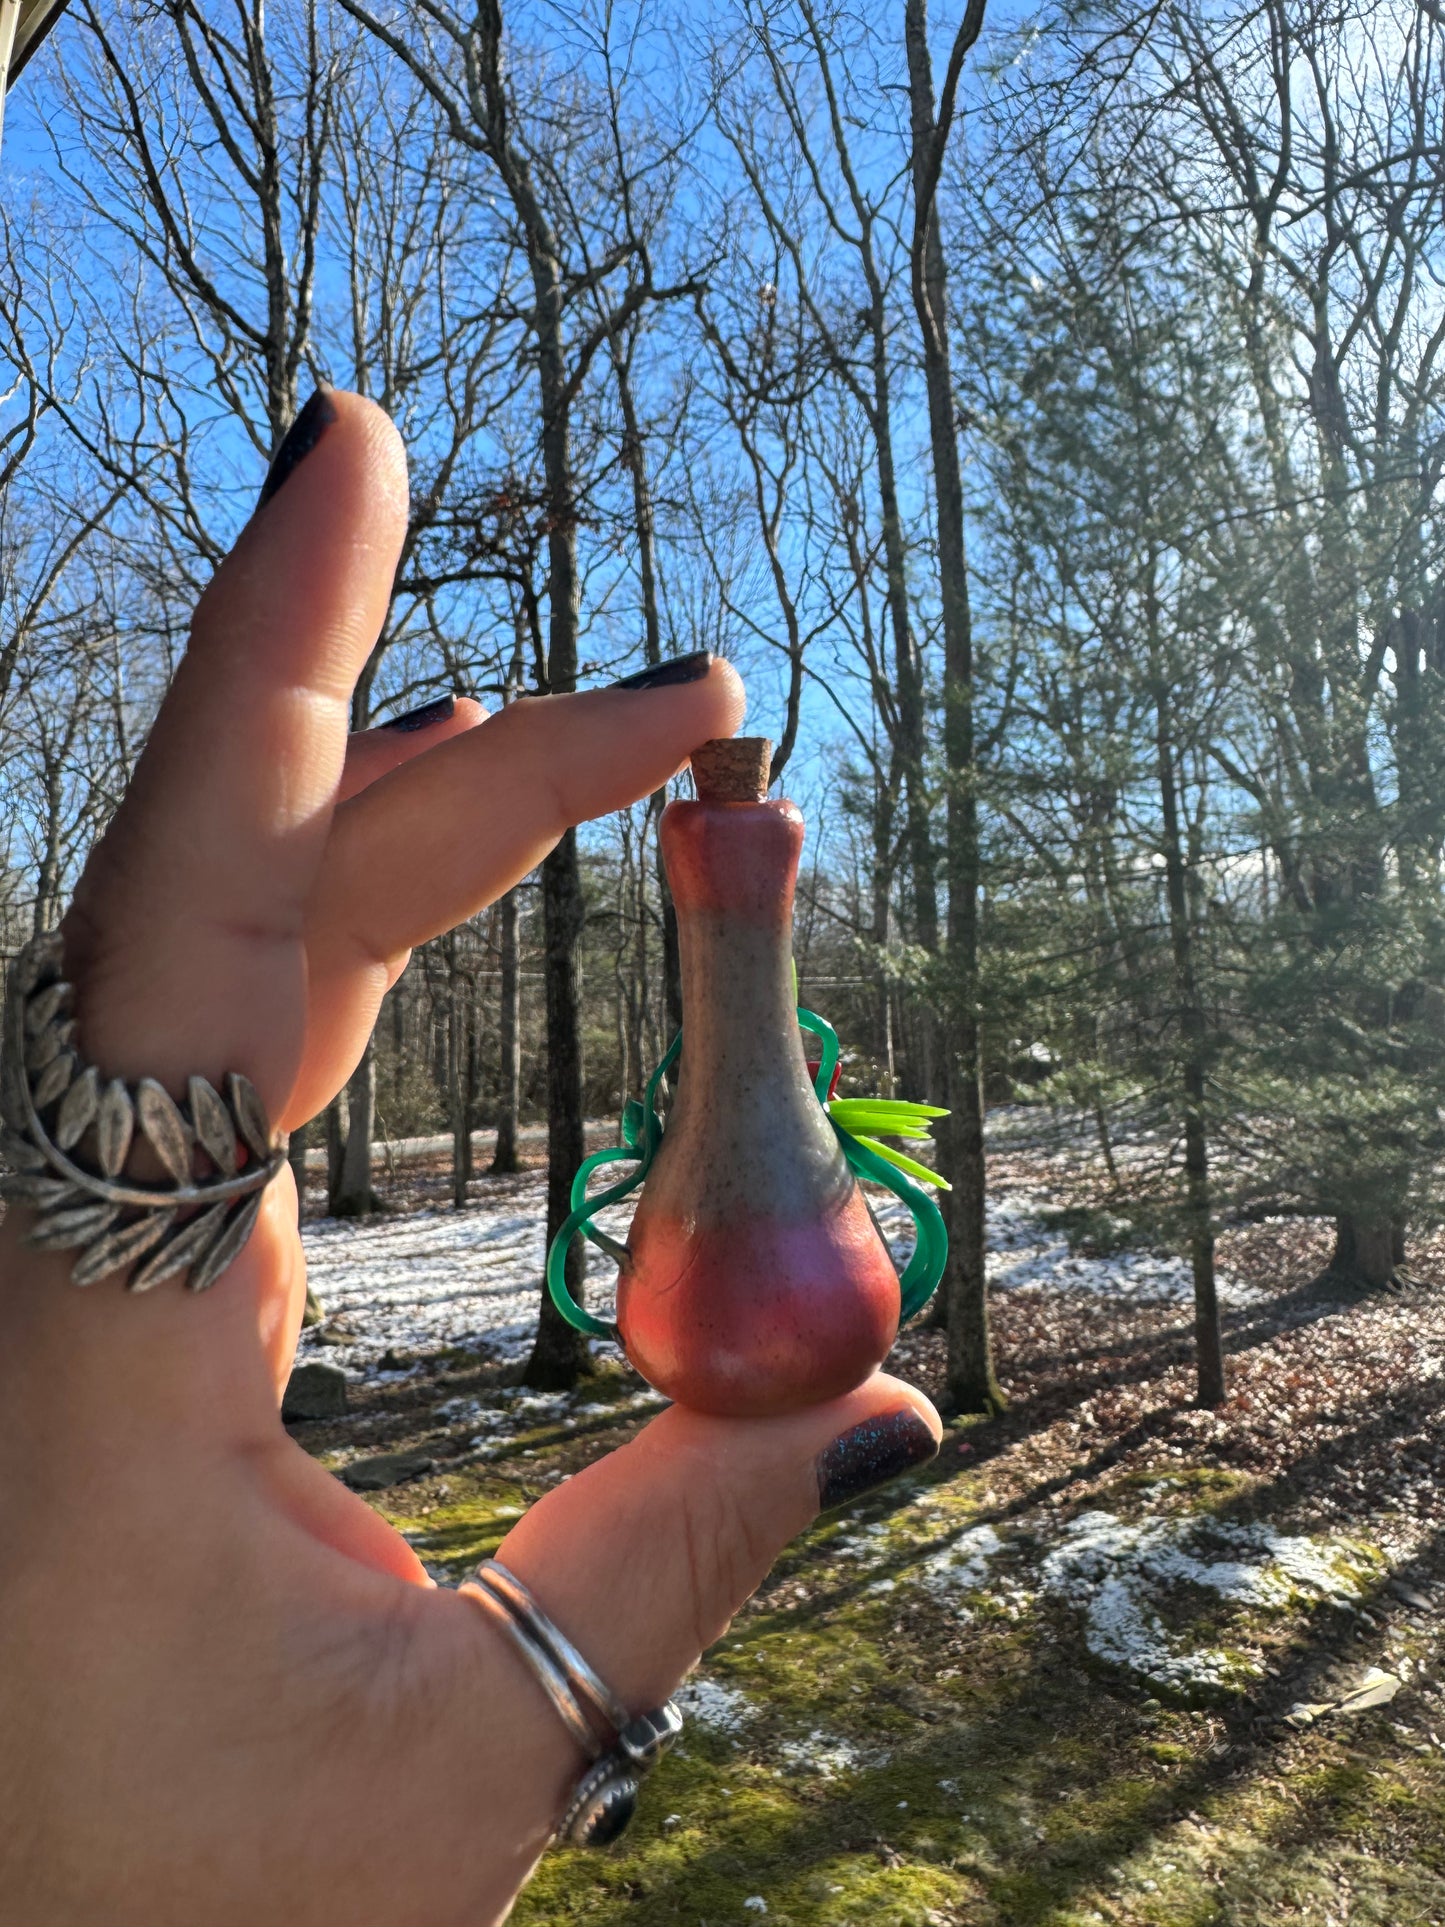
{"x":732,"y":769}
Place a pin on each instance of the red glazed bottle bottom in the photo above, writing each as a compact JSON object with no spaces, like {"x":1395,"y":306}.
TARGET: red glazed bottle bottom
{"x":761,"y":1318}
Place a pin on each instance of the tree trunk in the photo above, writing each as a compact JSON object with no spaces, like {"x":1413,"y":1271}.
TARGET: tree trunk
{"x":504,"y":1157}
{"x":459,"y":1078}
{"x":635,"y":459}
{"x":335,"y":1148}
{"x":1182,"y":912}
{"x":1368,"y":1251}
{"x":296,"y":1158}
{"x":908,"y":678}
{"x":671,"y":953}
{"x":559,"y":1355}
{"x":354,"y":1195}
{"x":972,"y":1386}
{"x":1208,"y":1341}
{"x":882,"y":897}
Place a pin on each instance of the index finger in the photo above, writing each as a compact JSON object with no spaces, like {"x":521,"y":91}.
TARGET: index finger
{"x":201,"y":880}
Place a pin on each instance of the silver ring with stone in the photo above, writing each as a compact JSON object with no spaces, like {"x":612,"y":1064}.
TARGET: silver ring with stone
{"x":68,"y":1135}
{"x":622,"y":1747}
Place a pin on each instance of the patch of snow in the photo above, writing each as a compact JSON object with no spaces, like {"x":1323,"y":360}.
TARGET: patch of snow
{"x":1120,"y":1574}
{"x":722,"y":1708}
{"x":1024,"y":1254}
{"x":824,"y":1755}
{"x":426,"y":1280}
{"x":510,"y":1413}
{"x":963,"y":1566}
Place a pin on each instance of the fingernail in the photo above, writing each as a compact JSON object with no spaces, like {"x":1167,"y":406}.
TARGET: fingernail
{"x":662,"y":675}
{"x":424,"y":716}
{"x":871,"y":1454}
{"x":301,"y":437}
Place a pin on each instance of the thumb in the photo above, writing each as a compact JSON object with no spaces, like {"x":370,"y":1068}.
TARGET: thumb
{"x":643,"y":1559}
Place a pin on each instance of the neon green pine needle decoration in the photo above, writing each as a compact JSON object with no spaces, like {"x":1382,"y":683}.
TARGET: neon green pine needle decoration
{"x":869,"y":1118}
{"x":858,"y":1121}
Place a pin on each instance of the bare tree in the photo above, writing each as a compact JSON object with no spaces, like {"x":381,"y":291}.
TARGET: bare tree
{"x":766,"y":378}
{"x":587,"y":217}
{"x":262,"y":149}
{"x":972,"y":1385}
{"x":827,"y":208}
{"x":239,"y":115}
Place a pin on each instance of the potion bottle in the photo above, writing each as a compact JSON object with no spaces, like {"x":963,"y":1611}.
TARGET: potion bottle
{"x":754,"y":1279}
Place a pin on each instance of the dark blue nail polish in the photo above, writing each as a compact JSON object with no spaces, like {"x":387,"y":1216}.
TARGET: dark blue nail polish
{"x":424,"y":716}
{"x":871,"y":1454}
{"x":301,"y":437}
{"x":665,"y":675}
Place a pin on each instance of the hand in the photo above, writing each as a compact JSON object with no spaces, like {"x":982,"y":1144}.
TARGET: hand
{"x":229,"y":1691}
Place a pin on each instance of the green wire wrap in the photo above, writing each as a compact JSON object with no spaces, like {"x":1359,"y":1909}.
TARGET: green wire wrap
{"x":930,"y":1250}
{"x":642,"y":1134}
{"x":639,"y":1121}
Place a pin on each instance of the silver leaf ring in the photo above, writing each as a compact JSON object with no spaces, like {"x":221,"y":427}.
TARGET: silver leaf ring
{"x":68,"y":1134}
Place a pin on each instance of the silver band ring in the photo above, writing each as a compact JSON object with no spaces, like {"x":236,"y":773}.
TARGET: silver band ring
{"x":550,"y":1677}
{"x":622,"y":1747}
{"x":580,"y":1677}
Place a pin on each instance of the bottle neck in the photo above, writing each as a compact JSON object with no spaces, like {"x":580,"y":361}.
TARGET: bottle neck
{"x":732,"y":868}
{"x":746,"y":1141}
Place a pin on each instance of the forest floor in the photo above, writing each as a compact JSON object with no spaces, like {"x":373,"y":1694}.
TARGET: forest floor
{"x":1109,"y":1658}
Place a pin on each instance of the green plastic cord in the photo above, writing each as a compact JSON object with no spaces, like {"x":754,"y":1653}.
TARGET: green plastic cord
{"x":642,"y":1134}
{"x":930,"y":1250}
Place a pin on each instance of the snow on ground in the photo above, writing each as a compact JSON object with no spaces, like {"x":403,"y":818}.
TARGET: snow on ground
{"x":1127,"y":1576}
{"x":722,"y":1708}
{"x":1023,"y":1252}
{"x":962,"y":1566}
{"x":823,"y":1755}
{"x":1157,"y":1591}
{"x":426,"y":1280}
{"x":1150,"y":1589}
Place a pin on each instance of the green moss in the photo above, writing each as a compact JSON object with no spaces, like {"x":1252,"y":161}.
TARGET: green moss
{"x":1189,"y":1487}
{"x":981,"y":1771}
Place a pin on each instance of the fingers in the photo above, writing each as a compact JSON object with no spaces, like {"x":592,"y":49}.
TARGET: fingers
{"x":644,"y":1558}
{"x":211,"y":856}
{"x":371,"y":753}
{"x":428,"y":845}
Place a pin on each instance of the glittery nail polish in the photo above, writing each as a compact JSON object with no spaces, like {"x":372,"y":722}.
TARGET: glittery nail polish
{"x":301,"y":437}
{"x":871,"y":1454}
{"x":664,"y":675}
{"x":423,"y":717}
